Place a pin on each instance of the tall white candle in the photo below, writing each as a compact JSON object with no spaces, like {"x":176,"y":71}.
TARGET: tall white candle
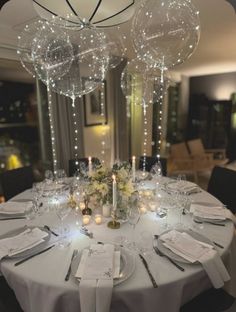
{"x":90,"y":165}
{"x":114,"y":191}
{"x":133,"y":168}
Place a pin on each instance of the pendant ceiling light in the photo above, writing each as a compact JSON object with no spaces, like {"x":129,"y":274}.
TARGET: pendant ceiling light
{"x":101,"y":13}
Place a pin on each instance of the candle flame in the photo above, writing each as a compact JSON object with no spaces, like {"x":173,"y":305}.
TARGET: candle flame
{"x":90,"y":158}
{"x":114,"y":178}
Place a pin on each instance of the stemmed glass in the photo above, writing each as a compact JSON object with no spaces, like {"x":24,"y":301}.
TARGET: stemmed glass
{"x":37,"y":190}
{"x":134,"y":216}
{"x":62,"y":211}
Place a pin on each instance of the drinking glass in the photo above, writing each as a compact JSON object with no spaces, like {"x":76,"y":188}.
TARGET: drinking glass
{"x":37,"y":190}
{"x":49,"y":176}
{"x":134,"y":216}
{"x":60,"y":175}
{"x":62,"y":211}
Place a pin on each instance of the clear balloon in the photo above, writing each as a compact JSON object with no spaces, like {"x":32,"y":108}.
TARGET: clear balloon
{"x":52,"y":52}
{"x":25,"y":41}
{"x":89,"y":63}
{"x":115,"y":46}
{"x":166,"y":33}
{"x":133,"y":80}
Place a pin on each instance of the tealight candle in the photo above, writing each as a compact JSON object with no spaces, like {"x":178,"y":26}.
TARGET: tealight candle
{"x":106,"y":210}
{"x":143,"y":209}
{"x":86,"y":219}
{"x":98,"y":219}
{"x":82,"y":205}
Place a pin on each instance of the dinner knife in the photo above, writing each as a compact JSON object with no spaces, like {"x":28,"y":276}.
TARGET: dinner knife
{"x":75,"y":252}
{"x":34,"y":255}
{"x":148,"y":271}
{"x":14,"y":218}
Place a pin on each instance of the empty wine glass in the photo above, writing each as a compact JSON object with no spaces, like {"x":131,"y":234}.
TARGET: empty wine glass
{"x":62,"y":211}
{"x":60,"y":175}
{"x":156,"y":170}
{"x":48,"y":176}
{"x":134,"y":216}
{"x":37,"y":190}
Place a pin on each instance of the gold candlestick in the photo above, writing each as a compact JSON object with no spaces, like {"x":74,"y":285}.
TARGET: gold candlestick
{"x":113,"y":224}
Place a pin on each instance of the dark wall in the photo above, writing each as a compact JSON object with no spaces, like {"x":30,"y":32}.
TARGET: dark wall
{"x":211,"y":109}
{"x":215,"y":87}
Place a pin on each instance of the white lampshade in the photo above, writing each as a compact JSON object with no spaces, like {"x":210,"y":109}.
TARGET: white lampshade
{"x":101,"y":13}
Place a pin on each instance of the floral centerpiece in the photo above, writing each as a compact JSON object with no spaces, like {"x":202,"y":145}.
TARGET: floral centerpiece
{"x":99,"y":187}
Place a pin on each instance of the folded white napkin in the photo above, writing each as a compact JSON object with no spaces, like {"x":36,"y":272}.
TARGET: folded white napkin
{"x":9,"y":208}
{"x":21,"y":242}
{"x":193,"y":250}
{"x":211,"y":212}
{"x":183,"y":186}
{"x":97,"y":270}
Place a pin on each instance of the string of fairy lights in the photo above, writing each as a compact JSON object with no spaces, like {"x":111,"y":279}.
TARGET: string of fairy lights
{"x":103,"y":113}
{"x":75,"y":127}
{"x":52,"y":130}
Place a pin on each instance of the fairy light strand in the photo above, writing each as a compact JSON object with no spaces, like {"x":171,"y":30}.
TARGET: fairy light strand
{"x":52,"y":130}
{"x":102,"y":108}
{"x":75,"y":127}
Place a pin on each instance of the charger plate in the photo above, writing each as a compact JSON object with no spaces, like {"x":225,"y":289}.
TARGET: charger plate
{"x":176,"y":257}
{"x":30,"y":251}
{"x":127,"y":265}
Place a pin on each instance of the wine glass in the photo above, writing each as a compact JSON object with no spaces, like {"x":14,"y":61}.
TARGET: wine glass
{"x":62,"y":211}
{"x":37,"y":189}
{"x":48,"y":176}
{"x":156,"y":171}
{"x":134,"y":216}
{"x":60,"y":176}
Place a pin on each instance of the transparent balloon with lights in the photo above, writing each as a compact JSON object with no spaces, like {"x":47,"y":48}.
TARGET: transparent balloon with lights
{"x":166,"y":33}
{"x":133,"y":80}
{"x":52,"y":52}
{"x":89,"y":63}
{"x":25,"y":40}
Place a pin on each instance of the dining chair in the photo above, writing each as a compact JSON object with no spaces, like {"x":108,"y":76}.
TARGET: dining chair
{"x":217,"y":156}
{"x":151,"y":161}
{"x":16,"y":181}
{"x":222,"y":185}
{"x":74,"y":164}
{"x":181,"y":162}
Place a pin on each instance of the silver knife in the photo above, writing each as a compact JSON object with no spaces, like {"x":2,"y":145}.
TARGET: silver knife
{"x":32,"y":256}
{"x":75,"y":252}
{"x":148,"y":271}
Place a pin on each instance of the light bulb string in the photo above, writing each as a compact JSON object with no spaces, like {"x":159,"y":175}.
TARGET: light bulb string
{"x":52,"y":130}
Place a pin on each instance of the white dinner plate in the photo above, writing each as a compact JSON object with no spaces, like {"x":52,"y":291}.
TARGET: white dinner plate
{"x":127,"y":265}
{"x":178,"y":258}
{"x":30,"y":251}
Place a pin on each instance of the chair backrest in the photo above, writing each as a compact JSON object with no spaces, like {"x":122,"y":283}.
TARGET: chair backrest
{"x":74,"y":164}
{"x":150,"y":161}
{"x":196,"y":147}
{"x":222,"y":185}
{"x":16,"y":181}
{"x":179,"y":150}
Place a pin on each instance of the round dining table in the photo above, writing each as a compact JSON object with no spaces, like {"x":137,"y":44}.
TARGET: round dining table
{"x":39,"y":283}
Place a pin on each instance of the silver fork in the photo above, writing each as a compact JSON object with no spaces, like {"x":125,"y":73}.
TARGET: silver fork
{"x":161,"y":254}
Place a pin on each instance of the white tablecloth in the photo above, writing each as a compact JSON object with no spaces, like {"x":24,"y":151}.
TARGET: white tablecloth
{"x":39,"y":283}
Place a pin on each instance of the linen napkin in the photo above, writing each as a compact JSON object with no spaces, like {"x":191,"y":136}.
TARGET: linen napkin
{"x":25,"y":240}
{"x":183,"y":186}
{"x":96,"y":270}
{"x":9,"y":208}
{"x":193,"y":250}
{"x":211,"y":212}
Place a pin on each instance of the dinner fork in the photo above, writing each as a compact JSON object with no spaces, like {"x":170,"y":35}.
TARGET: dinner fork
{"x":161,"y":254}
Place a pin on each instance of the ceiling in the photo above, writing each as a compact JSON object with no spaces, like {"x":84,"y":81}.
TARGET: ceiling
{"x":216,"y":52}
